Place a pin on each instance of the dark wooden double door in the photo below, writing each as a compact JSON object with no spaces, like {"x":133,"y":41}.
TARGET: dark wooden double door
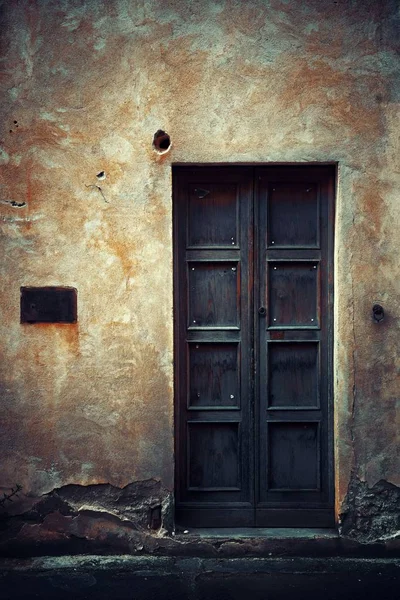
{"x":253,"y":344}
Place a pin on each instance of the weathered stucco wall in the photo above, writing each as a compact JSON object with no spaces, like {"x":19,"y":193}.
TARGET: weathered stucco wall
{"x":85,"y":85}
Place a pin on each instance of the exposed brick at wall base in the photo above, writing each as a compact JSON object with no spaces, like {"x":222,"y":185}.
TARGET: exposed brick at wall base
{"x":371,"y":514}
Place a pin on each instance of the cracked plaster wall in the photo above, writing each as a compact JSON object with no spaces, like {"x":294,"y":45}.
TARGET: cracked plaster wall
{"x":84,"y":87}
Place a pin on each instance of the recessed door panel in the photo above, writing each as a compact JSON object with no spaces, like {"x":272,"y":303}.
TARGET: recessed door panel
{"x":293,"y":294}
{"x":213,"y":294}
{"x":293,"y":452}
{"x":293,"y":375}
{"x":212,"y":214}
{"x":214,"y":375}
{"x":213,"y":456}
{"x":293,"y":215}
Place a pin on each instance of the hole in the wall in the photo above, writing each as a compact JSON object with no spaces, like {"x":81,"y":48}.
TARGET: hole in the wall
{"x":155,"y":517}
{"x":101,"y":175}
{"x":13,"y":203}
{"x":161,"y":142}
{"x":164,"y":144}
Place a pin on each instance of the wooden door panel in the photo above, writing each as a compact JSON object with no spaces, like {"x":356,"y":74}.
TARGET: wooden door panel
{"x":212,"y":214}
{"x":294,"y":468}
{"x":293,"y":375}
{"x":214,"y":294}
{"x":213,"y":456}
{"x":293,"y":215}
{"x":293,"y":451}
{"x":213,"y":287}
{"x":293,"y":291}
{"x":214,"y":375}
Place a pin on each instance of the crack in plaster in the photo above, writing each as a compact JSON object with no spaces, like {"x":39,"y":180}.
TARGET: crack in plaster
{"x":97,"y":187}
{"x":354,"y":388}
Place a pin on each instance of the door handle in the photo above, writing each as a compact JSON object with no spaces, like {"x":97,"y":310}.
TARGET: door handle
{"x":262,"y":311}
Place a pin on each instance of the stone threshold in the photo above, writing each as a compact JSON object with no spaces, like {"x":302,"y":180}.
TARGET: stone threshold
{"x":274,"y":533}
{"x":271,"y":542}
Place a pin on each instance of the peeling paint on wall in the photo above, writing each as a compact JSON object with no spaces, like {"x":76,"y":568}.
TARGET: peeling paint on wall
{"x":77,"y":518}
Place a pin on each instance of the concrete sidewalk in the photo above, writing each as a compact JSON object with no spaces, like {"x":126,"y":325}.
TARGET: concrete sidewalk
{"x":179,"y":578}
